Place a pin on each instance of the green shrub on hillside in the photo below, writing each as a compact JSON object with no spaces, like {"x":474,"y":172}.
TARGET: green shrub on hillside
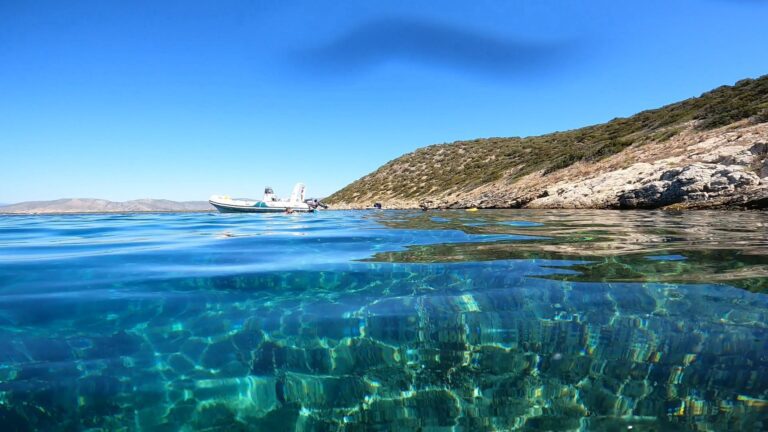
{"x":465,"y":165}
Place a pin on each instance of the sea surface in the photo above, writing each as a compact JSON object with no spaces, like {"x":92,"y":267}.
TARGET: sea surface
{"x":385,"y":320}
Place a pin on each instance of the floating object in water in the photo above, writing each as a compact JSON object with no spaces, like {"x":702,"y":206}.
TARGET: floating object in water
{"x":270,"y":203}
{"x":473,"y":209}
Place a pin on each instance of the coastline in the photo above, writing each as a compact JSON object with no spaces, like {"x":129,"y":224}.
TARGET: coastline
{"x":720,"y":168}
{"x":725,"y":207}
{"x":84,"y":212}
{"x":761,"y":206}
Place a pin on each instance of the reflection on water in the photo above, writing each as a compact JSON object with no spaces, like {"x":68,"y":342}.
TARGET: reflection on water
{"x":700,"y":247}
{"x":494,"y":320}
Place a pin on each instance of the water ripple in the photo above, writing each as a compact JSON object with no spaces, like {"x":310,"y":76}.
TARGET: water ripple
{"x":394,"y":320}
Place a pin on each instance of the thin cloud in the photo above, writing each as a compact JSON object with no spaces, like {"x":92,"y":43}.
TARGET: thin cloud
{"x":406,"y":40}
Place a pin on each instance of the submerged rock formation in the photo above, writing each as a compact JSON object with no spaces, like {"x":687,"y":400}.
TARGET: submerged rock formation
{"x":490,"y":350}
{"x":706,"y":152}
{"x":589,"y":321}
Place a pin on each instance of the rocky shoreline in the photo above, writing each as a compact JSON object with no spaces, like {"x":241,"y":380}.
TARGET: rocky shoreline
{"x":725,"y":168}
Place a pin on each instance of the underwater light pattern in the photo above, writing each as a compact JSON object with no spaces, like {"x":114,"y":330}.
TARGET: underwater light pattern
{"x":385,"y":320}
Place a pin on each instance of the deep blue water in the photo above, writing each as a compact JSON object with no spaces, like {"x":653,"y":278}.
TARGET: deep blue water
{"x":393,"y":320}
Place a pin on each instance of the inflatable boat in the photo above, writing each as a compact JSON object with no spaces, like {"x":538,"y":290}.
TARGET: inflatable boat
{"x":270,"y":203}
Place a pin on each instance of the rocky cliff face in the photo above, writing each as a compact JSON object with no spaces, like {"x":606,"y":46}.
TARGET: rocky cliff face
{"x":707,"y":152}
{"x":724,"y":167}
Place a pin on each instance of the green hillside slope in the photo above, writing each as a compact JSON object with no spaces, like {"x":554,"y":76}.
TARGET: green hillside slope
{"x":462,"y":166}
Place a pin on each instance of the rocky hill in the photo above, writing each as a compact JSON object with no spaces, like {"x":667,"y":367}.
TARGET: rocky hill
{"x":709,"y":151}
{"x":88,"y":205}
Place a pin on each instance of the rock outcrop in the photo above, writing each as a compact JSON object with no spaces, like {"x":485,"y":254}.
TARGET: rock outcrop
{"x":697,"y":182}
{"x":720,"y":168}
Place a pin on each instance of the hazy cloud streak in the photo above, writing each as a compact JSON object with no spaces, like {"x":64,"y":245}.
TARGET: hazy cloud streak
{"x":420,"y":42}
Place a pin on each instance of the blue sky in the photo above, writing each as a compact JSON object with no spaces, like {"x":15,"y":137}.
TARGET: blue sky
{"x":184,"y":99}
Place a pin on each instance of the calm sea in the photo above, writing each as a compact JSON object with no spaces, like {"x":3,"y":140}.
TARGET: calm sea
{"x":393,"y":320}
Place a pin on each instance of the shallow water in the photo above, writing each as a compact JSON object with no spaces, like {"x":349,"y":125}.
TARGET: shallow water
{"x":393,"y":320}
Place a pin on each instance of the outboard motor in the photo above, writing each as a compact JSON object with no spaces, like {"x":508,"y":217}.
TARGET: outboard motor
{"x":314,"y":203}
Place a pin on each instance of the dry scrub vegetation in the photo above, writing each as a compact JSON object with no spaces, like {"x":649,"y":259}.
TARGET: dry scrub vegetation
{"x":463,"y":166}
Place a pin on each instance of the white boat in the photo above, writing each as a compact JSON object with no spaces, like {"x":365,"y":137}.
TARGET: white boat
{"x":270,"y":203}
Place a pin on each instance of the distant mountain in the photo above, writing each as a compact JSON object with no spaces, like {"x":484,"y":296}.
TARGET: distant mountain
{"x":704,"y":152}
{"x":89,"y":205}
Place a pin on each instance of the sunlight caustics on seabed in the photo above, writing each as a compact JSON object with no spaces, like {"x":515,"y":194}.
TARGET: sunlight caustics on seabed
{"x":394,"y":320}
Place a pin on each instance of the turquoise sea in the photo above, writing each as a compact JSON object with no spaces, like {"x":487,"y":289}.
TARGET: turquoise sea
{"x":554,"y":320}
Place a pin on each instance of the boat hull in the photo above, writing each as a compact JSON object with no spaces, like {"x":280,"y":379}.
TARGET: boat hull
{"x":236,"y":208}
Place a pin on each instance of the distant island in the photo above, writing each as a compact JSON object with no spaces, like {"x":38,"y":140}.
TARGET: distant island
{"x":89,"y":205}
{"x":705,"y":152}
